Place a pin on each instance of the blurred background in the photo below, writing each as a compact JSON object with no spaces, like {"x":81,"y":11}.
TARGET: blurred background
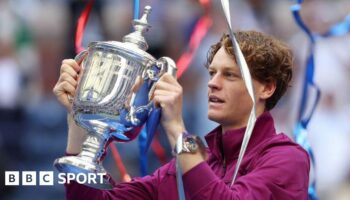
{"x":35,"y":35}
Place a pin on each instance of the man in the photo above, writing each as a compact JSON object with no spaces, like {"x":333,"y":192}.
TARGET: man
{"x":273,"y":167}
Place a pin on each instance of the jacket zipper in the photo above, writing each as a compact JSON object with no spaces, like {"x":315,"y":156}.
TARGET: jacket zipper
{"x":224,"y":166}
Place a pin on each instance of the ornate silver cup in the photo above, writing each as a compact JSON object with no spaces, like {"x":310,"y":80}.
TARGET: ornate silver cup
{"x":113,"y":95}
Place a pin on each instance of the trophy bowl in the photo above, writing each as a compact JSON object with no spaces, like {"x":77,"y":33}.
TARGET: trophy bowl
{"x":113,"y":96}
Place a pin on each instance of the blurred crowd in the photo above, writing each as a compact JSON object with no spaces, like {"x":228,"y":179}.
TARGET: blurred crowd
{"x":35,"y":35}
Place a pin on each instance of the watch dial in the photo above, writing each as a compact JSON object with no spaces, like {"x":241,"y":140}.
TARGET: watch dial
{"x":192,"y":144}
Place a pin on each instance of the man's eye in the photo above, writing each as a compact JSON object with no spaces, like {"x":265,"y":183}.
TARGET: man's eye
{"x":211,"y":73}
{"x":230,"y":75}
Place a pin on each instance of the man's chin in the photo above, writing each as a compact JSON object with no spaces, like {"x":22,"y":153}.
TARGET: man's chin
{"x":214,"y":118}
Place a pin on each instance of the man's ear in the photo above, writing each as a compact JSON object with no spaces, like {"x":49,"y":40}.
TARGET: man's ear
{"x":267,"y":90}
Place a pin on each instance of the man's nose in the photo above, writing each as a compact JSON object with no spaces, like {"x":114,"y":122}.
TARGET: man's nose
{"x":215,"y":82}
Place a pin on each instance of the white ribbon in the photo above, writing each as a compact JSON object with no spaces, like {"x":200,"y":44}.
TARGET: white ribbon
{"x":243,"y":67}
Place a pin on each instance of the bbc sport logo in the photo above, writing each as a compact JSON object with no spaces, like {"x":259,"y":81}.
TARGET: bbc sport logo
{"x":47,"y":178}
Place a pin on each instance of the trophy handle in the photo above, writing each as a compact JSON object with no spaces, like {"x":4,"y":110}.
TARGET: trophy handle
{"x":140,"y":103}
{"x":167,"y":65}
{"x":81,"y":56}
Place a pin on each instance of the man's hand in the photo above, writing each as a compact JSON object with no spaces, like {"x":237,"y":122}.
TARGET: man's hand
{"x":67,"y":82}
{"x":168,"y":96}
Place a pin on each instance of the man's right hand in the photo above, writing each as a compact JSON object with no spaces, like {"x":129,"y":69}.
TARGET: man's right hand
{"x":67,"y":82}
{"x":66,"y":85}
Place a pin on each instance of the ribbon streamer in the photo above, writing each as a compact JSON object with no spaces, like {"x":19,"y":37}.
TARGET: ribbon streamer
{"x":300,"y":131}
{"x":179,"y":182}
{"x":201,"y":28}
{"x":159,"y":150}
{"x":243,"y":67}
{"x":149,"y":128}
{"x":125,"y":177}
{"x":136,"y":9}
{"x":82,"y":21}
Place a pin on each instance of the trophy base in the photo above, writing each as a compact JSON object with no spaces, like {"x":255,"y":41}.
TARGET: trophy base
{"x":92,"y":171}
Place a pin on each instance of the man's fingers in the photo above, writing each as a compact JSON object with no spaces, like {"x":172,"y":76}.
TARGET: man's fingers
{"x":65,"y":77}
{"x":68,"y":88}
{"x":67,"y":82}
{"x":161,"y":85}
{"x":164,"y":86}
{"x":64,"y":88}
{"x":72,"y":63}
{"x":169,"y":79}
{"x":162,"y":100}
{"x":65,"y":68}
{"x":163,"y":93}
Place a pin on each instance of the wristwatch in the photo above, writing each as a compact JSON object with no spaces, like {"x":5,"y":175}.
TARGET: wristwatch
{"x":187,"y":143}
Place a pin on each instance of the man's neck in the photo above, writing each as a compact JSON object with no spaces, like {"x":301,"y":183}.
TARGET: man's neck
{"x":224,"y":128}
{"x":243,"y":123}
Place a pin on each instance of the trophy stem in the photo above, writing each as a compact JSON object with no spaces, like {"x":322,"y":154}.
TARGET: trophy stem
{"x":93,"y":148}
{"x":91,"y":155}
{"x":90,"y":158}
{"x":95,"y":144}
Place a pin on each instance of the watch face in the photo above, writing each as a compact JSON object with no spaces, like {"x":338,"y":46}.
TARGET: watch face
{"x":191,"y":144}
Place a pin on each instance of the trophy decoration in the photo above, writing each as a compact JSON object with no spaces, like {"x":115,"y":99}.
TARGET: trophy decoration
{"x":113,"y":96}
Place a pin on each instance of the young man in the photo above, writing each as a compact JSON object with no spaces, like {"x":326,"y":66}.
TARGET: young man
{"x":273,"y":167}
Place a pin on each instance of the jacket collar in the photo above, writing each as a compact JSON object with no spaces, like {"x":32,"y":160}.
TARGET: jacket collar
{"x":230,"y":142}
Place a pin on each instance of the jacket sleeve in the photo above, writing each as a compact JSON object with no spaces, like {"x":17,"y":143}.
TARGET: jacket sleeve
{"x":278,"y":174}
{"x":138,"y":188}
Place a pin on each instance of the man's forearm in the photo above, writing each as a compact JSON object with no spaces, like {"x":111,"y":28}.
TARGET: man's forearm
{"x":173,"y":131}
{"x":187,"y":160}
{"x":76,"y":136}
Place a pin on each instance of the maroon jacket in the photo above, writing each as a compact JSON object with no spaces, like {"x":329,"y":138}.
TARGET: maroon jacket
{"x":273,"y":168}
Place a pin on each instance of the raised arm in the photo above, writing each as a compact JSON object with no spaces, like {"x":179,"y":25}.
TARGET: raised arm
{"x":66,"y":86}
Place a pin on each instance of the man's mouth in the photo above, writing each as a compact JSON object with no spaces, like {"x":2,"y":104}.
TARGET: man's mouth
{"x":215,"y":99}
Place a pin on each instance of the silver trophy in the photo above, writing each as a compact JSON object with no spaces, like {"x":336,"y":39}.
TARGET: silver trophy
{"x":113,"y":96}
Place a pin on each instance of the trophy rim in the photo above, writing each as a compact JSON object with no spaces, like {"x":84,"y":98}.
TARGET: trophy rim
{"x":124,"y":48}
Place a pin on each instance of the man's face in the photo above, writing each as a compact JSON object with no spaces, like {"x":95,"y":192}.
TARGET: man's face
{"x":229,"y":103}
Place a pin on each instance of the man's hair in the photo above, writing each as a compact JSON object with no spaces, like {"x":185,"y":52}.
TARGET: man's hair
{"x":268,"y":59}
